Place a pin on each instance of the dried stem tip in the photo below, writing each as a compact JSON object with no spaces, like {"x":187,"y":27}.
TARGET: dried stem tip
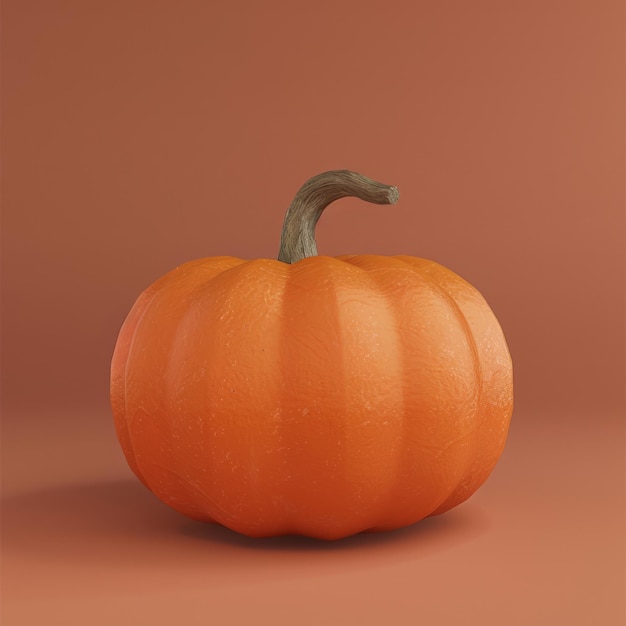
{"x":297,"y":240}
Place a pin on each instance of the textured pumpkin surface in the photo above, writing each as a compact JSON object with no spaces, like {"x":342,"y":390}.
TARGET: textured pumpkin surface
{"x":324,"y":398}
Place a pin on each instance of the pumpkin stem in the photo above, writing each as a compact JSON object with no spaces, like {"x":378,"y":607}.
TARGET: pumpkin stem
{"x":297,"y":239}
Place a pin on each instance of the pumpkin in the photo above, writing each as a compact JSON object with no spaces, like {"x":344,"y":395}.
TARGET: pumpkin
{"x":312,"y":395}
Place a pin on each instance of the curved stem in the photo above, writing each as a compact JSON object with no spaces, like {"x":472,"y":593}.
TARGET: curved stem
{"x":297,"y":239}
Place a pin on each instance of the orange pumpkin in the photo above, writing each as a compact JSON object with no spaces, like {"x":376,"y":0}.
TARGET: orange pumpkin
{"x":312,"y":395}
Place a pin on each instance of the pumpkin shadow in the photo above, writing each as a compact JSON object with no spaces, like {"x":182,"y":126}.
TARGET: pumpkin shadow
{"x":440,"y":530}
{"x":65,"y":519}
{"x":119,"y":525}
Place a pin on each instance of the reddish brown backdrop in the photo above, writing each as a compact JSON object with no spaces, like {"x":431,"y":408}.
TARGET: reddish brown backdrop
{"x":139,"y":135}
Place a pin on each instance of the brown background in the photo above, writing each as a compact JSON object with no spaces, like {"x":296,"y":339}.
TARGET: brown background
{"x":139,"y":135}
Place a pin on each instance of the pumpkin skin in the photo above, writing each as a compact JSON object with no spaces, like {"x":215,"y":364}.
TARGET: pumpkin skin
{"x":322,"y":398}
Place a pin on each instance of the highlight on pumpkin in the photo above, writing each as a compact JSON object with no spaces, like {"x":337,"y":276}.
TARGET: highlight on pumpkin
{"x":312,"y":395}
